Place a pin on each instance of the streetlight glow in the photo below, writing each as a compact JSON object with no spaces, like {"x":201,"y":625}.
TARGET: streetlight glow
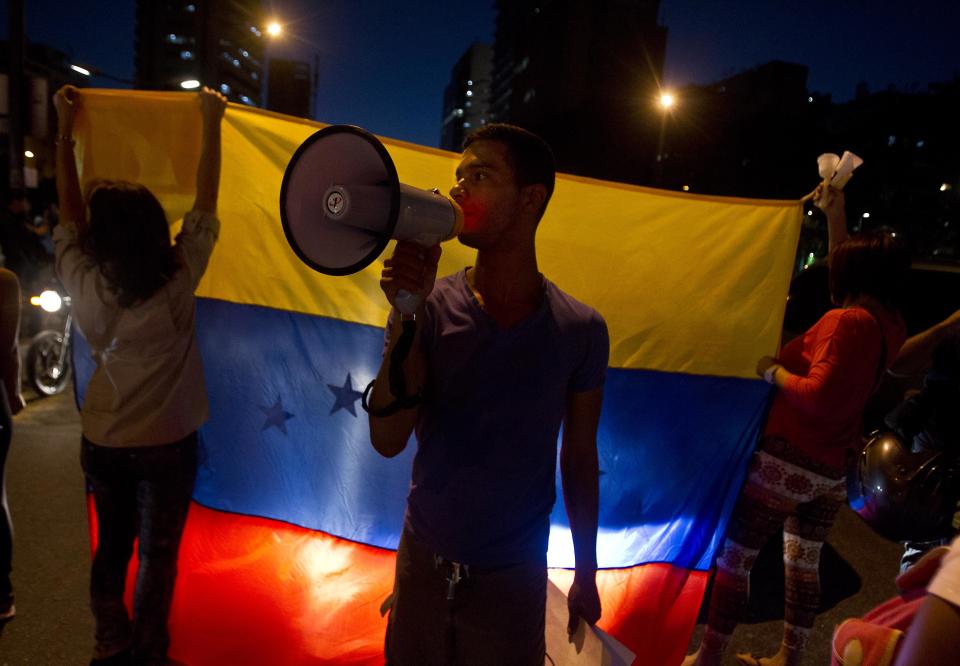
{"x":190,"y":84}
{"x":667,"y":100}
{"x":274,"y":29}
{"x":80,"y":70}
{"x":28,"y":154}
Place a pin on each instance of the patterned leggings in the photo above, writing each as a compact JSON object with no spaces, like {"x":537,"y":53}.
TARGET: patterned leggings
{"x":784,"y":488}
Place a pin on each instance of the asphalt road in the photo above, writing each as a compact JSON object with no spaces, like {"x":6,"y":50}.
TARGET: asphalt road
{"x":53,"y":626}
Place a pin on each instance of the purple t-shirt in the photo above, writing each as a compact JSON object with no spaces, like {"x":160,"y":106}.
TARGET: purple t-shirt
{"x":484,"y":474}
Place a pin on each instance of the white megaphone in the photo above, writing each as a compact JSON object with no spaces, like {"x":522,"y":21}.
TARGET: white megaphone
{"x":341,"y":202}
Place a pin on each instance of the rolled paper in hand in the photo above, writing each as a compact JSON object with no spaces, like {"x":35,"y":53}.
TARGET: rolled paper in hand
{"x":827,"y":165}
{"x":848,"y":162}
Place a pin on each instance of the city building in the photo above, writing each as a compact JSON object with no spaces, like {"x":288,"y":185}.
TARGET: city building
{"x":290,"y":87}
{"x":466,"y":100}
{"x":748,"y":135}
{"x":583,"y":74}
{"x":188,"y":43}
{"x":44,"y":70}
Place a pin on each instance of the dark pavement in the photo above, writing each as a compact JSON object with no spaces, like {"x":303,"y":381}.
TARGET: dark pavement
{"x":51,"y":551}
{"x":53,"y":626}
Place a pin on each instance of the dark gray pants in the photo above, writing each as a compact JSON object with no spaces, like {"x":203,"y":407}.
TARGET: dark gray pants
{"x":496,"y":616}
{"x":139,"y":492}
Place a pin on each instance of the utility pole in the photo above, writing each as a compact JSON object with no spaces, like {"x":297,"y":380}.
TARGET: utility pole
{"x":15,"y":80}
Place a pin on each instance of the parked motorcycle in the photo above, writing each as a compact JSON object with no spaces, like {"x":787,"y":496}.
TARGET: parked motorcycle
{"x":48,"y":360}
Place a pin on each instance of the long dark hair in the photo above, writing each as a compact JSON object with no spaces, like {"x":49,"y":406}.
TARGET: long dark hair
{"x":129,"y":238}
{"x":875,"y":264}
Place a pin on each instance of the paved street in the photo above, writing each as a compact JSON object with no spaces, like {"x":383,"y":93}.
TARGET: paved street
{"x":51,"y":550}
{"x":51,"y":557}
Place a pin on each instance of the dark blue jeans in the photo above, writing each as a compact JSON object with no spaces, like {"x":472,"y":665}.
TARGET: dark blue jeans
{"x":6,"y":527}
{"x":140,"y":492}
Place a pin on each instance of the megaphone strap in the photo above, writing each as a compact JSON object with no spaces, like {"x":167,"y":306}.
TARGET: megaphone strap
{"x":398,"y":381}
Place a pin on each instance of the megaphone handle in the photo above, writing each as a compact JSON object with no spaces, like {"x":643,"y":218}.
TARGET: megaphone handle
{"x":407,"y":302}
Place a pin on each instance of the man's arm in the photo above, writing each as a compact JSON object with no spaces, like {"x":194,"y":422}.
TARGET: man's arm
{"x":579,"y":471}
{"x":932,"y":639}
{"x":413,"y":269}
{"x":914,"y":357}
{"x":9,"y":331}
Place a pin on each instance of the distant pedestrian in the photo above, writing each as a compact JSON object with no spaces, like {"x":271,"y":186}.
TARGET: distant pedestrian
{"x":22,"y":248}
{"x":133,"y":299}
{"x":11,"y":402}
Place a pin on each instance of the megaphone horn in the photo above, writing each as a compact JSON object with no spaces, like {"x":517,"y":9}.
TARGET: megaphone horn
{"x":341,"y":202}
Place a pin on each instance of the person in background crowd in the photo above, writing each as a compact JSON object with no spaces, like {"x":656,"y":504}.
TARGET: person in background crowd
{"x":11,"y":402}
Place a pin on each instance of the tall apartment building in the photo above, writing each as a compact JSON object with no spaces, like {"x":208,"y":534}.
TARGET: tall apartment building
{"x":219,"y":43}
{"x":28,"y":122}
{"x":583,"y":74}
{"x":466,"y":100}
{"x":290,"y":87}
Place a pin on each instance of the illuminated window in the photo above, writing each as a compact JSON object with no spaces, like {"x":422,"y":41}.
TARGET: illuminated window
{"x":467,"y":125}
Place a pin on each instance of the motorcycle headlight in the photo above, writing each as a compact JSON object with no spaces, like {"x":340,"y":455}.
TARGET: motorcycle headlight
{"x":50,"y":301}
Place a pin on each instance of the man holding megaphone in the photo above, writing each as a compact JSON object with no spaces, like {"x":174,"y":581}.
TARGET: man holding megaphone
{"x":499,"y":357}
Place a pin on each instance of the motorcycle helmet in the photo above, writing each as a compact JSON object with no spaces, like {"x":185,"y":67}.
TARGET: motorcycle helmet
{"x":904,"y":495}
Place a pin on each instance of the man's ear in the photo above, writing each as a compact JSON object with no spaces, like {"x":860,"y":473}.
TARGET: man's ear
{"x":534,"y":196}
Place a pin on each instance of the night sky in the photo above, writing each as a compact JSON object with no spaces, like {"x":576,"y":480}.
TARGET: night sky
{"x":384,"y":65}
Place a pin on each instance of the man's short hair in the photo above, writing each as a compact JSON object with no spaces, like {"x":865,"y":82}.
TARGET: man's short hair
{"x":528,"y":154}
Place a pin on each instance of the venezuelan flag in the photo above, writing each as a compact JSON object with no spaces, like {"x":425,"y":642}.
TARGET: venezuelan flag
{"x":289,"y":547}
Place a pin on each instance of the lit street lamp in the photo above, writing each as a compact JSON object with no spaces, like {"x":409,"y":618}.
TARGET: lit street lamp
{"x":89,"y":71}
{"x":666,"y":101}
{"x":274,"y":29}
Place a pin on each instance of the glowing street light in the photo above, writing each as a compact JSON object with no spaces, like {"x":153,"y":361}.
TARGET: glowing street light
{"x":274,"y":29}
{"x":190,"y":84}
{"x":28,"y":154}
{"x":80,"y":70}
{"x":666,"y":101}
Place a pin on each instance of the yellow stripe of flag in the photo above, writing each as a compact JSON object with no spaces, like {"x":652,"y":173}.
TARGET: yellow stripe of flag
{"x":686,"y":283}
